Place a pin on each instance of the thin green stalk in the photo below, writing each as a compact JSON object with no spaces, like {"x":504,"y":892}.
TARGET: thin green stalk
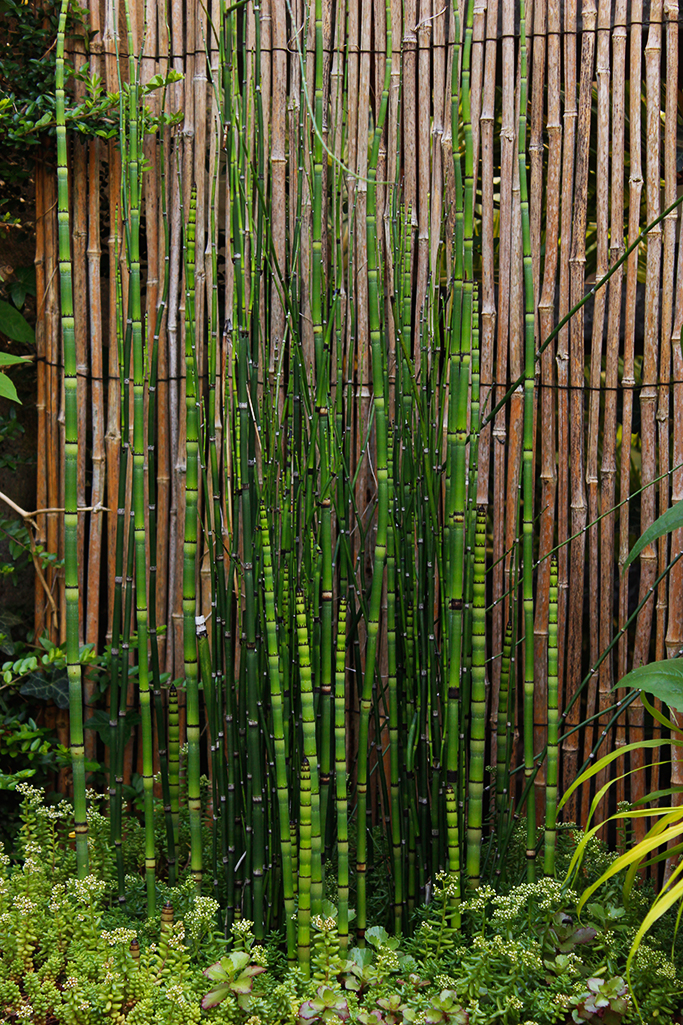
{"x":190,"y":554}
{"x":553,"y":729}
{"x":340,"y":780}
{"x":528,"y":458}
{"x":304,"y":874}
{"x":133,"y":184}
{"x":478,"y":704}
{"x":71,"y":589}
{"x":504,"y":733}
{"x":379,"y":396}
{"x":174,"y":760}
{"x":278,"y":736}
{"x":310,"y":750}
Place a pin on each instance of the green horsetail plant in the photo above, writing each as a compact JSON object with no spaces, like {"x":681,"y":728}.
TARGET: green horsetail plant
{"x":132,"y":187}
{"x":190,"y":554}
{"x":394,"y":771}
{"x":160,"y":720}
{"x":71,"y":589}
{"x":310,"y":753}
{"x":381,"y":435}
{"x":304,"y":912}
{"x":528,"y":461}
{"x":454,"y":510}
{"x":278,"y":736}
{"x":121,"y":617}
{"x":553,"y":729}
{"x":174,"y":759}
{"x":478,"y":699}
{"x":504,"y":734}
{"x":340,"y":780}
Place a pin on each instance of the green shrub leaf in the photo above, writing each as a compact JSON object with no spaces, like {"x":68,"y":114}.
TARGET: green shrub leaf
{"x":7,"y":389}
{"x":672,"y":519}
{"x":663,"y":679}
{"x":15,"y":325}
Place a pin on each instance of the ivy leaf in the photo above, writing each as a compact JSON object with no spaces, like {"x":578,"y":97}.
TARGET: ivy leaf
{"x":99,"y":722}
{"x":15,"y":325}
{"x":46,"y":689}
{"x":663,"y":679}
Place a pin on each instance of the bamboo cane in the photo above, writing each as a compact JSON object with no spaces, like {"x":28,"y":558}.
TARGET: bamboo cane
{"x":71,"y":448}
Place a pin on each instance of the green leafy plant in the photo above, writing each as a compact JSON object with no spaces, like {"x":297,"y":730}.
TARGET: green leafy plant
{"x":235,"y":976}
{"x":327,"y":1005}
{"x":605,"y":1002}
{"x":664,"y":680}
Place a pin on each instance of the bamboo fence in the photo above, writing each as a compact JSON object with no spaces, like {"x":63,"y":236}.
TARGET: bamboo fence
{"x":607,"y":391}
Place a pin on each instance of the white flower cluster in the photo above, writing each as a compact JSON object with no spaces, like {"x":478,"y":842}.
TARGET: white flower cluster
{"x":23,"y":904}
{"x":387,"y":961}
{"x":259,"y":955}
{"x":119,"y":937}
{"x":242,"y":927}
{"x":201,"y":915}
{"x":323,"y":924}
{"x":33,"y":795}
{"x":87,"y":890}
{"x":478,"y":903}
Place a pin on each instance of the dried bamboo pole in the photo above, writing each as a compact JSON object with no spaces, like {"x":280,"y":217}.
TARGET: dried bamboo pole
{"x":42,"y":381}
{"x":674,"y":636}
{"x":79,"y":205}
{"x":570,"y":745}
{"x":648,"y":394}
{"x":535,"y":148}
{"x":514,"y":454}
{"x":499,"y":432}
{"x":422,"y":117}
{"x":608,"y":469}
{"x":488,"y":331}
{"x":95,"y":326}
{"x":668,"y":270}
{"x":602,"y":217}
{"x":628,"y":376}
{"x":438,"y":58}
{"x":546,"y":314}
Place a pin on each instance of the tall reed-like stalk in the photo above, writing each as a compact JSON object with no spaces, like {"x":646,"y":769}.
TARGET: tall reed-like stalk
{"x":528,"y":459}
{"x":71,"y":449}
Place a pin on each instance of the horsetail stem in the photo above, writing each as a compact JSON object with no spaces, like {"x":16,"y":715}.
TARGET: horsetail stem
{"x":71,"y":441}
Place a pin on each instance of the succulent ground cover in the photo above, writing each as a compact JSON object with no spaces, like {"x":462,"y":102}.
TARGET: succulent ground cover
{"x":72,"y":954}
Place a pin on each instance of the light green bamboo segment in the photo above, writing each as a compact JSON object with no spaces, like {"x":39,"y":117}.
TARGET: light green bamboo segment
{"x":133,"y":186}
{"x":310,"y":753}
{"x":456,"y":439}
{"x":190,"y":555}
{"x":174,"y":759}
{"x":477,"y":705}
{"x":394,"y":769}
{"x":304,"y":912}
{"x":278,"y":734}
{"x":504,"y":733}
{"x":340,"y":780}
{"x":379,"y":398}
{"x":553,"y":729}
{"x":71,"y":590}
{"x":527,"y":462}
{"x":452,"y":833}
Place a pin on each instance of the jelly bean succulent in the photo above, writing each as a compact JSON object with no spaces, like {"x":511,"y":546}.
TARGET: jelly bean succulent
{"x":235,"y":977}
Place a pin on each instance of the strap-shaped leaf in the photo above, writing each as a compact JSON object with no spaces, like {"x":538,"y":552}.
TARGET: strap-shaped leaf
{"x":670,"y":520}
